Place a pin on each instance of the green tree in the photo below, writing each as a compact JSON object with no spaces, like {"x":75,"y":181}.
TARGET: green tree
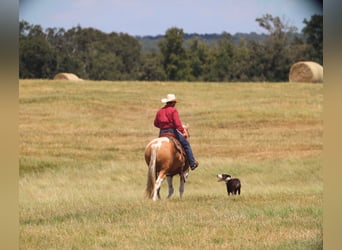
{"x":100,"y":56}
{"x":241,"y":62}
{"x":151,"y":67}
{"x":276,"y":59}
{"x":313,"y":32}
{"x":299,"y":50}
{"x":37,"y":58}
{"x":70,"y":52}
{"x":128,"y":50}
{"x":197,"y":54}
{"x":209,"y":71}
{"x":221,"y":66}
{"x":175,"y":61}
{"x":258,"y":62}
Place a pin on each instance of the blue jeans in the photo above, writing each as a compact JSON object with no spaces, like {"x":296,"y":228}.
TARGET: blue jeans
{"x":183,"y":141}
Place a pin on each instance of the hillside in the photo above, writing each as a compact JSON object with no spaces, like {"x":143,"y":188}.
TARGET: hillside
{"x":150,"y":43}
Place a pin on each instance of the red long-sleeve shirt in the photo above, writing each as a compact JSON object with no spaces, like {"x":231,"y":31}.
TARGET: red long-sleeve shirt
{"x":168,"y":117}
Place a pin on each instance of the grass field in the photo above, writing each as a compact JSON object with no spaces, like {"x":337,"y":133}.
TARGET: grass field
{"x":83,"y":175}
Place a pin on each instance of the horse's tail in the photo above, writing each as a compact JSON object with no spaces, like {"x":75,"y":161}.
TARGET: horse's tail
{"x":151,"y":174}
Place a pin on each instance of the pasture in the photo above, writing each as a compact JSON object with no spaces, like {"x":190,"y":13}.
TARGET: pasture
{"x":83,"y":175}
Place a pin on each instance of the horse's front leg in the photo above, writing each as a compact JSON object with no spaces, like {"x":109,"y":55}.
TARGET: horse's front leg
{"x":170,"y":184}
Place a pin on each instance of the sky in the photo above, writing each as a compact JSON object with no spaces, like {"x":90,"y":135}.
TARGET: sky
{"x":154,"y":17}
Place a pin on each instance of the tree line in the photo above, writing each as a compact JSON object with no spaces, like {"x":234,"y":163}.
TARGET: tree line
{"x":95,"y":55}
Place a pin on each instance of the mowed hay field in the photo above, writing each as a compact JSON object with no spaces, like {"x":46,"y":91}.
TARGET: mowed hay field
{"x":83,"y":175}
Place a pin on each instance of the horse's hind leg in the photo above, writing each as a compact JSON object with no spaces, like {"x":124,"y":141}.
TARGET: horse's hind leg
{"x":170,"y":184}
{"x":183,"y":179}
{"x":156,"y":195}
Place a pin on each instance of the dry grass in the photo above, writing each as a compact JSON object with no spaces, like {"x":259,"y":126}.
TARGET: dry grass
{"x":82,"y":173}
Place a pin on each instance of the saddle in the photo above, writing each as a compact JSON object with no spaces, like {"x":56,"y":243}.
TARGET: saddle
{"x":177,"y":144}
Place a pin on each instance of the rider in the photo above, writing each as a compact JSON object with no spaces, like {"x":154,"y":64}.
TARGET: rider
{"x":168,"y":121}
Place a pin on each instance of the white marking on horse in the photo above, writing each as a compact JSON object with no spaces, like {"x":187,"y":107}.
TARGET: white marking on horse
{"x":158,"y":142}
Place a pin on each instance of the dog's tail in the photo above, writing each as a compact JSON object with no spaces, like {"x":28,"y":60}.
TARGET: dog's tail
{"x":151,"y":174}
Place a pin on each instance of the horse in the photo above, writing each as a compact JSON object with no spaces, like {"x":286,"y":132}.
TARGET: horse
{"x":165,"y":157}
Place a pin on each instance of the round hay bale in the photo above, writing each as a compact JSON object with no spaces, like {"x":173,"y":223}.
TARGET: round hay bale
{"x":67,"y":76}
{"x":306,"y":71}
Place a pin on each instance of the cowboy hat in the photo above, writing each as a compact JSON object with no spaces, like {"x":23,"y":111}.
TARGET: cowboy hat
{"x":169,"y":98}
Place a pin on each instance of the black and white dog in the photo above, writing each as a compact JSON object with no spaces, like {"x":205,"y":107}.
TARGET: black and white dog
{"x":233,"y":185}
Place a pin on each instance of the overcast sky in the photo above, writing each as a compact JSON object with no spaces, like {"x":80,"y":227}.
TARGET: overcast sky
{"x":154,"y":17}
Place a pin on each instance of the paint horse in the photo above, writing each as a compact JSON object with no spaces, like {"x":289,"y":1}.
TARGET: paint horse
{"x":165,"y":157}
